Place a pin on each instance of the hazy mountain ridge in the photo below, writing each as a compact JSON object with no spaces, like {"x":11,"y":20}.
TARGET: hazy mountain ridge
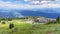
{"x":50,"y":13}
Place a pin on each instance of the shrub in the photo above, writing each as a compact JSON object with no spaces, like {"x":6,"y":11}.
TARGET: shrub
{"x":9,"y":19}
{"x":11,"y":25}
{"x":3,"y":22}
{"x":51,"y":22}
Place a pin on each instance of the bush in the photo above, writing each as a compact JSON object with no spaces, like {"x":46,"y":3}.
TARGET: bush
{"x":51,"y":22}
{"x":11,"y":25}
{"x":9,"y":19}
{"x":3,"y":22}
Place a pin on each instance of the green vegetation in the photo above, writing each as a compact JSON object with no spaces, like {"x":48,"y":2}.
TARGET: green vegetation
{"x":3,"y":22}
{"x":11,"y":25}
{"x":58,"y":19}
{"x":55,"y":22}
{"x":21,"y":26}
{"x":24,"y":28}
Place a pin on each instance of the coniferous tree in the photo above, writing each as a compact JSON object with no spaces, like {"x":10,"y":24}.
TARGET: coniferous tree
{"x":58,"y":19}
{"x":11,"y":25}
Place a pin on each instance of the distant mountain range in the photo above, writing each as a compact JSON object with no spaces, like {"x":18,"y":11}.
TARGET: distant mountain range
{"x":49,"y":13}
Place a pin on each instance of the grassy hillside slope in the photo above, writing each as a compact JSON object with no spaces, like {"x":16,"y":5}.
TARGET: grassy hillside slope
{"x":25,"y":28}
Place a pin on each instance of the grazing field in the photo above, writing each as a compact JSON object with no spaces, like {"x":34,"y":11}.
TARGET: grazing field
{"x":25,"y":28}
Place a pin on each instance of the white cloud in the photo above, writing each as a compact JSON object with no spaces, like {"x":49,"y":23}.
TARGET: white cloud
{"x":17,"y":14}
{"x":17,"y":6}
{"x":10,"y":5}
{"x":40,"y":1}
{"x":35,"y":2}
{"x":26,"y":0}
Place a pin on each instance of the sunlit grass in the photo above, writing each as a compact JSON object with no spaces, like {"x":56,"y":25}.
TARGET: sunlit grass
{"x":25,"y":28}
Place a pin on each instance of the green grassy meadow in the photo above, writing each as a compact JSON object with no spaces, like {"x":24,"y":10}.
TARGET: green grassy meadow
{"x":25,"y":28}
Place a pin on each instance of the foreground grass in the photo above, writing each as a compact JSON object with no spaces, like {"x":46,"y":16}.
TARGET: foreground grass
{"x":24,"y":28}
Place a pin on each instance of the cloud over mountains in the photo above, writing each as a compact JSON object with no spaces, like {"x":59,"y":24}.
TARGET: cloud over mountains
{"x":8,"y":5}
{"x":29,"y":4}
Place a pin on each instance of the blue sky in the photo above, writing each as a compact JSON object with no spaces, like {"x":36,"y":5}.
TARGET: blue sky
{"x":29,"y":4}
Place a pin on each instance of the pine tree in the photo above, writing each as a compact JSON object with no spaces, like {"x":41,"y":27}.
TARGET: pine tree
{"x":58,"y":19}
{"x":11,"y":25}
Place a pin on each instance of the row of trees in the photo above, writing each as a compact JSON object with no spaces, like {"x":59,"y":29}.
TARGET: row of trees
{"x":31,"y":17}
{"x":6,"y":19}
